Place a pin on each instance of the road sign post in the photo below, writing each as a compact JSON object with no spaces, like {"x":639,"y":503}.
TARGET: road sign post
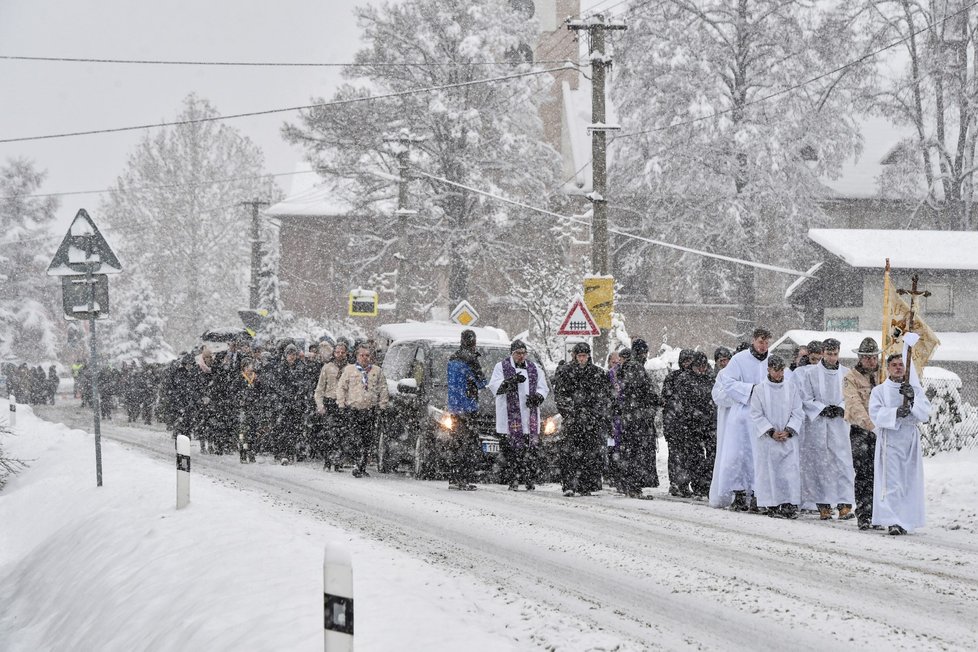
{"x":83,"y":260}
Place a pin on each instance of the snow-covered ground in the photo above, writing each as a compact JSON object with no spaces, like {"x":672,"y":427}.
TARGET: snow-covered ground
{"x":119,"y":568}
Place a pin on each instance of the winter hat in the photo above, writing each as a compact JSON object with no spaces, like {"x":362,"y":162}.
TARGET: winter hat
{"x":775,"y":362}
{"x":639,"y":346}
{"x":517,"y":345}
{"x":685,"y":355}
{"x":699,"y":359}
{"x":468,"y":338}
{"x":291,"y":348}
{"x":722,"y":352}
{"x":582,"y":347}
{"x":625,"y":354}
{"x":867,"y":347}
{"x":831,"y":344}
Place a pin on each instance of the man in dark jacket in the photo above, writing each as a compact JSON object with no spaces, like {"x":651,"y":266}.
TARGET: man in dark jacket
{"x":696,"y":435}
{"x":639,"y":401}
{"x":465,"y":379}
{"x":289,"y":388}
{"x":583,"y":393}
{"x":679,"y":474}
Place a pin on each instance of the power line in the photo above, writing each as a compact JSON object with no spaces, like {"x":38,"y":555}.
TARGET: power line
{"x":269,"y":64}
{"x":157,"y":187}
{"x":698,"y":252}
{"x":354,"y":100}
{"x":800,"y":84}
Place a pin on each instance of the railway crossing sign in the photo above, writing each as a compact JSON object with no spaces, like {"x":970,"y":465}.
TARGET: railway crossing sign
{"x":578,"y":320}
{"x":464,"y":314}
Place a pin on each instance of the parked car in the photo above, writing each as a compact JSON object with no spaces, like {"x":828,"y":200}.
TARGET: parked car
{"x":416,"y":433}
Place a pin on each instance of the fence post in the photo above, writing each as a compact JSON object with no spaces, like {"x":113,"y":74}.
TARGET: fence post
{"x":338,"y":598}
{"x":183,"y":471}
{"x":13,"y":411}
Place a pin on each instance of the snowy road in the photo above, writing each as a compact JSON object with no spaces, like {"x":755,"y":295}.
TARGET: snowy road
{"x":652,"y":574}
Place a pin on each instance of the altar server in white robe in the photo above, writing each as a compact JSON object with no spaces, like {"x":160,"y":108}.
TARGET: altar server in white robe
{"x":733,"y":471}
{"x":776,"y":413}
{"x":827,"y":475}
{"x":898,"y":483}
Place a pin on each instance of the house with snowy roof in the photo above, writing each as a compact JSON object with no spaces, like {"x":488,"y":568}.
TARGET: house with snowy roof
{"x":845,"y":298}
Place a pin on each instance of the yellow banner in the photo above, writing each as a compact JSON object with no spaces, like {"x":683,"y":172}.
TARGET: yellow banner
{"x":896,"y":320}
{"x":599,"y":297}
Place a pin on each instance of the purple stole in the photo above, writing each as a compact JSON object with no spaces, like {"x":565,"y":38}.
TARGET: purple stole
{"x":513,"y":417}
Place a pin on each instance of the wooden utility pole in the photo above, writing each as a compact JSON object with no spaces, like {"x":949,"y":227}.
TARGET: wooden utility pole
{"x":595,"y":26}
{"x":403,"y":142}
{"x":255,"y":250}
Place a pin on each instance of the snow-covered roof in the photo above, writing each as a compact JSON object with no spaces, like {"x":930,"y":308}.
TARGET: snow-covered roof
{"x":954,"y":347}
{"x":905,"y":249}
{"x":320,"y":200}
{"x":440,"y":331}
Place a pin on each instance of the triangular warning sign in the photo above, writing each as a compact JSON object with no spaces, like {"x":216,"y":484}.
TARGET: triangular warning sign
{"x":84,"y":250}
{"x":578,"y":320}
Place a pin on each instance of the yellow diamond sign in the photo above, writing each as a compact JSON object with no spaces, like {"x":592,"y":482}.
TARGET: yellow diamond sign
{"x":464,"y":314}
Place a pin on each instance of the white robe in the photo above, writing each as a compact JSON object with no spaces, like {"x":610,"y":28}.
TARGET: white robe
{"x":723,"y":403}
{"x":898,"y":482}
{"x":776,"y":406}
{"x":502,"y":425}
{"x":827,"y":473}
{"x":734,"y":466}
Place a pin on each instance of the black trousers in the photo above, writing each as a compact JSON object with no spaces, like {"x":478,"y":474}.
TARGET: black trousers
{"x":361,"y":432}
{"x":520,"y":463}
{"x":463,"y":450}
{"x":863,"y":458}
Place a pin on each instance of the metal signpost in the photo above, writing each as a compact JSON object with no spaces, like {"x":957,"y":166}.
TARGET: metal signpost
{"x":82,"y":261}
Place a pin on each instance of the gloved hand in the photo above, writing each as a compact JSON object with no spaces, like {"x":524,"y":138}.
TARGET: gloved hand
{"x":827,"y":411}
{"x":534,"y":400}
{"x":511,"y":384}
{"x":903,"y":410}
{"x":906,"y":390}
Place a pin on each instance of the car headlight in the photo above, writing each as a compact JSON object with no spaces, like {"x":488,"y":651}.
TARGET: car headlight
{"x":550,"y":425}
{"x":446,"y":421}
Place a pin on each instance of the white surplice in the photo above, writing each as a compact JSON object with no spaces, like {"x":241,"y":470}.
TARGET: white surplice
{"x":898,"y":482}
{"x":502,"y":422}
{"x":776,"y":406}
{"x":827,"y":474}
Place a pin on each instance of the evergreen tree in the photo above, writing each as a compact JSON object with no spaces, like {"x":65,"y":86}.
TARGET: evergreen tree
{"x":138,"y":324}
{"x":181,"y":196}
{"x":29,"y":300}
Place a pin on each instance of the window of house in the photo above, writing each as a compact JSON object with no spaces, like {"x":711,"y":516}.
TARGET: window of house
{"x":940,"y":301}
{"x":842,"y":324}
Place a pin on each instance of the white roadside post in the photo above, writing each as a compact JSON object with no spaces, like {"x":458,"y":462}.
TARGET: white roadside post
{"x":183,"y":471}
{"x":338,"y":598}
{"x":13,"y":411}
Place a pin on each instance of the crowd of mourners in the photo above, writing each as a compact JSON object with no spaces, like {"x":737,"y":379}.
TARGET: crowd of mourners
{"x":753,"y":432}
{"x":31,"y":384}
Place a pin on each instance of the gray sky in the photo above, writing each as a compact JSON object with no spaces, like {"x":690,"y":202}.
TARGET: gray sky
{"x":42,"y":98}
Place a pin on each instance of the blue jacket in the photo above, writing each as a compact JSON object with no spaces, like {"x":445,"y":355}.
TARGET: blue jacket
{"x":465,"y":379}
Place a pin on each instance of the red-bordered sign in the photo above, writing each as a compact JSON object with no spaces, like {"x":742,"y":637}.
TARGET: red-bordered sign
{"x":578,"y":320}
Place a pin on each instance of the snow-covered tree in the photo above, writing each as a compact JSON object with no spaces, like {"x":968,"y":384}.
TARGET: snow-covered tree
{"x":933,"y":92}
{"x":706,"y":158}
{"x":486,"y":135}
{"x":181,"y":196}
{"x":138,"y":324}
{"x":29,"y":300}
{"x":542,"y":289}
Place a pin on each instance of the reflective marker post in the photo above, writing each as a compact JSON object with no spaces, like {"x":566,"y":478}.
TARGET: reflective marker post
{"x":338,"y":598}
{"x":183,"y":471}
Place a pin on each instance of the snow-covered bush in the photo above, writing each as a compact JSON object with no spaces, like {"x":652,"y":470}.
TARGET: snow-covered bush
{"x":953,"y":425}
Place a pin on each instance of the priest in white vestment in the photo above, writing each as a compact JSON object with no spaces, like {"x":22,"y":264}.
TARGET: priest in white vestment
{"x":896,"y":407}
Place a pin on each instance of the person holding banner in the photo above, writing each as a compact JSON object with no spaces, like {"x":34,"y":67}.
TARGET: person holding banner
{"x":896,"y":407}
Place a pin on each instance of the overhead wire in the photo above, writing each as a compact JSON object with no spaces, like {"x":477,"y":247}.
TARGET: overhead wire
{"x":661,"y":243}
{"x":268,"y":64}
{"x":353,"y":100}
